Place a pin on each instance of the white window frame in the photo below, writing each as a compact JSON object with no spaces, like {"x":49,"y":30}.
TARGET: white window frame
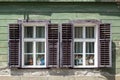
{"x":84,"y":40}
{"x":34,"y":40}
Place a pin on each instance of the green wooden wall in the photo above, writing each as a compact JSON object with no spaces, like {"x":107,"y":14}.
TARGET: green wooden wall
{"x":58,"y":13}
{"x":57,"y":0}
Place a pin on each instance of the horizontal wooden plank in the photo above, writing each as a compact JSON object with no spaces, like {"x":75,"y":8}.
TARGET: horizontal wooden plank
{"x":3,"y":29}
{"x":113,"y":22}
{"x":40,"y":16}
{"x":3,"y":50}
{"x":11,"y":16}
{"x":3,"y":58}
{"x":6,"y":22}
{"x":116,"y":29}
{"x":115,"y":36}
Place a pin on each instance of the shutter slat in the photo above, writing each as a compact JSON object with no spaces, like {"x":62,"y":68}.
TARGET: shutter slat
{"x":53,"y":45}
{"x":105,"y":44}
{"x":14,"y":45}
{"x":66,"y":53}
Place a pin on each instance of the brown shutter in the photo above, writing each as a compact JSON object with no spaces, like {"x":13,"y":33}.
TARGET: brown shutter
{"x":105,"y":45}
{"x":66,"y":45}
{"x":14,"y":45}
{"x":53,"y":45}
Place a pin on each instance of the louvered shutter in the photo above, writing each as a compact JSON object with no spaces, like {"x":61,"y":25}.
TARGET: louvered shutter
{"x":53,"y":45}
{"x":66,"y":46}
{"x":105,"y":45}
{"x":14,"y":45}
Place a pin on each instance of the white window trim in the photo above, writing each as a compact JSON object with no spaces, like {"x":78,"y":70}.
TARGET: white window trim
{"x":34,"y":40}
{"x":84,"y":40}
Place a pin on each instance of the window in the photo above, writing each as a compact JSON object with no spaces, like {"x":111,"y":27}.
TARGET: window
{"x":81,"y":44}
{"x":34,"y":46}
{"x":85,"y":46}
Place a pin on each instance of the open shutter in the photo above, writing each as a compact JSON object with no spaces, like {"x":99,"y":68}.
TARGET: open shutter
{"x":53,"y":45}
{"x":14,"y":45}
{"x":66,"y":46}
{"x":105,"y":45}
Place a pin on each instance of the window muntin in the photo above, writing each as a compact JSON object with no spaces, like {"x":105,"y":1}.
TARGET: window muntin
{"x":87,"y":57}
{"x":34,"y":46}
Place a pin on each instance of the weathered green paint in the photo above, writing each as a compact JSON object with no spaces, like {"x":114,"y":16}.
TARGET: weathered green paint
{"x":3,"y":44}
{"x":3,"y":51}
{"x":3,"y":29}
{"x":57,"y":0}
{"x":116,"y":29}
{"x":3,"y":37}
{"x":115,"y":36}
{"x":59,"y":13}
{"x":3,"y":58}
{"x":11,"y":16}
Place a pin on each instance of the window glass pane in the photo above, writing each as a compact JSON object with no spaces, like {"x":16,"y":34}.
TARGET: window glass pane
{"x":89,"y":47}
{"x":78,"y":33}
{"x":28,"y":32}
{"x":40,"y":47}
{"x":78,"y":59}
{"x":40,"y":60}
{"x":78,"y":47}
{"x":89,"y":32}
{"x":28,"y":47}
{"x":90,"y":59}
{"x":40,"y":32}
{"x":28,"y":59}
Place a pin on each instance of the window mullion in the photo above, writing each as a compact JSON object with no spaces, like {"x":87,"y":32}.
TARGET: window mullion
{"x":23,"y":46}
{"x":96,"y":46}
{"x":45,"y":44}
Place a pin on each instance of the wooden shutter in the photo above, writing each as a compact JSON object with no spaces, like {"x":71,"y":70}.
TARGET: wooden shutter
{"x":14,"y":45}
{"x":66,"y":46}
{"x":53,"y":45}
{"x":105,"y":45}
